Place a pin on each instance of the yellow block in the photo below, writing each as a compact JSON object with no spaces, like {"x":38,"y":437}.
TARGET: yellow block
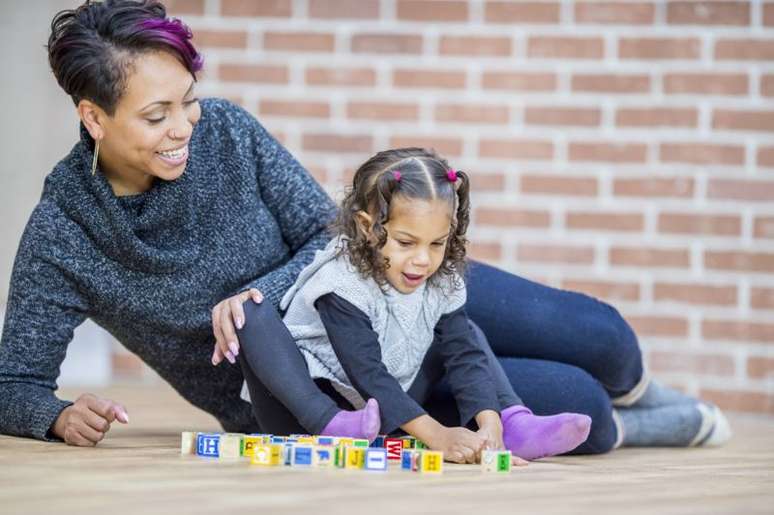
{"x":346,"y":442}
{"x":309,"y":440}
{"x":431,"y":462}
{"x":250,"y":442}
{"x":354,"y":457}
{"x":267,"y":455}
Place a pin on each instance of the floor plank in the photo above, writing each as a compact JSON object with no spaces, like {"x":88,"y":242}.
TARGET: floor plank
{"x":138,"y":469}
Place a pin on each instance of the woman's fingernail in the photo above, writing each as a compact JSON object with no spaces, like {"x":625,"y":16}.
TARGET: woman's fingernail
{"x":239,"y":323}
{"x":234,"y":348}
{"x":257,"y":299}
{"x":230,"y":357}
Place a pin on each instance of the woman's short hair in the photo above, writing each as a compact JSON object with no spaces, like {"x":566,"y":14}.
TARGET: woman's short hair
{"x":91,"y":48}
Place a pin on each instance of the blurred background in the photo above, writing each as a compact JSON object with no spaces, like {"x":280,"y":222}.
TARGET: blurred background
{"x":622,"y":149}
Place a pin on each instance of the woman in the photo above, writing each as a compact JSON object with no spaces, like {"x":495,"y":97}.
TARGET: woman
{"x":168,"y":206}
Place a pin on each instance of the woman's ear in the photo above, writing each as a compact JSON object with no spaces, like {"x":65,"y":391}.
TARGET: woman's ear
{"x":93,"y":118}
{"x":364,"y":222}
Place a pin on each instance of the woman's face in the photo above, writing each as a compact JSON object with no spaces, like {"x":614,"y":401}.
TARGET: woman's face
{"x":148,"y":134}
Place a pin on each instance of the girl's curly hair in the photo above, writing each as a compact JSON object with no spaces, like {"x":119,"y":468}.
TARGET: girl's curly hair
{"x":424,"y":175}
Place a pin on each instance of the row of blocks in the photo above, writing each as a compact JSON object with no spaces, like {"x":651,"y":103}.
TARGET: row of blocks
{"x":326,"y":451}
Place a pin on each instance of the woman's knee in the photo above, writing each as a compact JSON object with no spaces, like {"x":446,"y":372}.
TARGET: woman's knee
{"x":259,"y":313}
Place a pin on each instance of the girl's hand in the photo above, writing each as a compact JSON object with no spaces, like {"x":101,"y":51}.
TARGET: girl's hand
{"x":226,"y":315}
{"x":85,"y":422}
{"x":459,"y":445}
{"x":490,"y":427}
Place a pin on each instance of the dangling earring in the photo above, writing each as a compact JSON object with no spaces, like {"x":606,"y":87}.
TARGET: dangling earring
{"x":94,"y":161}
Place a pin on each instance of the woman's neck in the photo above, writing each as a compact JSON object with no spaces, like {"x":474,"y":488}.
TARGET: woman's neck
{"x":125,"y":183}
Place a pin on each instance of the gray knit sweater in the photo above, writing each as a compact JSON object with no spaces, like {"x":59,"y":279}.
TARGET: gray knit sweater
{"x":149,"y":268}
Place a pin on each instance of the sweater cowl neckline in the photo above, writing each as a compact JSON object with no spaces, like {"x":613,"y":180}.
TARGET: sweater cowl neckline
{"x":157,"y":235}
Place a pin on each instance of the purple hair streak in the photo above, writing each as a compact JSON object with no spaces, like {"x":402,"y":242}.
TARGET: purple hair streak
{"x":175,"y":34}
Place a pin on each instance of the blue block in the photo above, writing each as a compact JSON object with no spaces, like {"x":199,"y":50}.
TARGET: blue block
{"x":278,"y":439}
{"x":325,"y":440}
{"x":207,"y":445}
{"x":376,"y":459}
{"x":378,"y":442}
{"x":302,"y":455}
{"x":405,"y":460}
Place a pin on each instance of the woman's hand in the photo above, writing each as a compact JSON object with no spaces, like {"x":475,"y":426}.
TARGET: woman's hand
{"x":85,"y":422}
{"x":226,"y":316}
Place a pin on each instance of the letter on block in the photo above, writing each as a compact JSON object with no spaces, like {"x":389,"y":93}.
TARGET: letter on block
{"x":360,"y":442}
{"x":409,"y":442}
{"x":323,"y":456}
{"x":326,"y":440}
{"x":207,"y":444}
{"x":267,"y":455}
{"x":407,"y":459}
{"x":394,"y":447}
{"x":346,"y":442}
{"x":376,"y":459}
{"x":496,"y":461}
{"x":187,"y":442}
{"x":354,"y":457}
{"x":432,"y":462}
{"x":302,"y":456}
{"x":250,"y":442}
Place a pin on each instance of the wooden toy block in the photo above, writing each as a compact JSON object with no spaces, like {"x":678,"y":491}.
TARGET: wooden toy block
{"x":379,"y":441}
{"x":338,"y":456}
{"x":394,"y":447}
{"x":278,"y":439}
{"x":360,"y":442}
{"x":287,"y":452}
{"x":306,"y":440}
{"x":418,"y":444}
{"x":408,"y":459}
{"x":496,"y":461}
{"x":346,"y":442}
{"x":409,"y":442}
{"x":230,"y":446}
{"x":302,"y":455}
{"x":354,"y":457}
{"x":323,"y":456}
{"x":431,"y":462}
{"x":207,"y":444}
{"x":375,"y":459}
{"x":264,"y":454}
{"x":416,"y":460}
{"x":326,"y":440}
{"x":250,"y":442}
{"x":187,"y":442}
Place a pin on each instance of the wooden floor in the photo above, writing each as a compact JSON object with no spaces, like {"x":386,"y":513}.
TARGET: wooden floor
{"x":138,"y":469}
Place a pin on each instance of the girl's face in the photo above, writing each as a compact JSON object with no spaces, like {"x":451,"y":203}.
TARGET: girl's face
{"x":148,"y":134}
{"x":417,"y":233}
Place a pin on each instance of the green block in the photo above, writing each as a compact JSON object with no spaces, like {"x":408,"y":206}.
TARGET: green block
{"x":360,"y":443}
{"x":419,"y":445}
{"x":503,"y":462}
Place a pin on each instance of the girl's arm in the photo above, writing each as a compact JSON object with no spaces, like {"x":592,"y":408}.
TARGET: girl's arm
{"x":467,"y":368}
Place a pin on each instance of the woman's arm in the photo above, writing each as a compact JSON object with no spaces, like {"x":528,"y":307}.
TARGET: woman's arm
{"x":43,"y":310}
{"x":299,"y":204}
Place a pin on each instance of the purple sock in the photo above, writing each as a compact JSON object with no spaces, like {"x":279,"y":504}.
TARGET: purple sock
{"x":530,"y":436}
{"x":362,"y":423}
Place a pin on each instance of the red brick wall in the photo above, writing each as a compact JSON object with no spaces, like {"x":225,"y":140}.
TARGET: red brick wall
{"x":623,"y":149}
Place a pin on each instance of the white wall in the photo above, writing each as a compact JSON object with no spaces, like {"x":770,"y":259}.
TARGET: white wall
{"x":38,"y":127}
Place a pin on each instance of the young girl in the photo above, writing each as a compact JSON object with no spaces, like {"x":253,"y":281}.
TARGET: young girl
{"x":379,"y":315}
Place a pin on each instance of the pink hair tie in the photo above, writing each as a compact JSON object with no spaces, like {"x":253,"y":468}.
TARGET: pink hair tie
{"x":396,"y":174}
{"x":451,"y":174}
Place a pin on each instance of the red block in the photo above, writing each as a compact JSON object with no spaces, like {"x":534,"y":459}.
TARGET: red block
{"x":394,"y":447}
